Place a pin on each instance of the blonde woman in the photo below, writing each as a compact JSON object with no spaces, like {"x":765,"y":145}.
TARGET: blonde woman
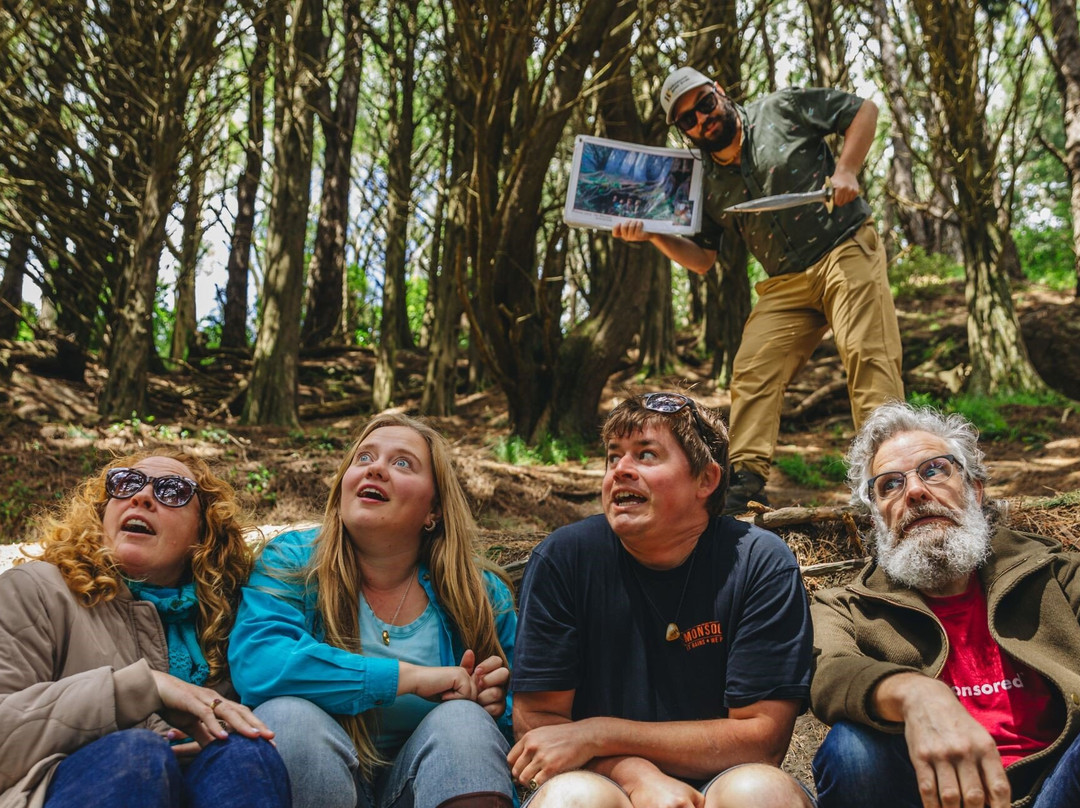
{"x":378,"y":644}
{"x":114,"y":679}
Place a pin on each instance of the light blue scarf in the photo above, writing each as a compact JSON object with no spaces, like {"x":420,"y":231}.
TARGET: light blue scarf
{"x":178,"y":609}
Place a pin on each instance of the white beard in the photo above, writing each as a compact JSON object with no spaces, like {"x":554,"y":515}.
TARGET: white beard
{"x":931,"y":557}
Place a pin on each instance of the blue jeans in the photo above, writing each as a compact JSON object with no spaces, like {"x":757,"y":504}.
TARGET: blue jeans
{"x":858,"y":766}
{"x":137,"y":768}
{"x":457,"y":749}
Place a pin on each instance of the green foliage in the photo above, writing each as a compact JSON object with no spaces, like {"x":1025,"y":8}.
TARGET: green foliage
{"x":1063,"y":500}
{"x":982,"y":412}
{"x":16,"y":502}
{"x":215,"y":434}
{"x":826,"y":472}
{"x":24,"y":326}
{"x":144,"y":426}
{"x":987,"y":413}
{"x":917,"y":399}
{"x":1046,"y":255}
{"x":548,"y":452}
{"x":416,"y":288}
{"x":916,"y":272}
{"x":259,"y":482}
{"x":164,"y":320}
{"x":364,"y":311}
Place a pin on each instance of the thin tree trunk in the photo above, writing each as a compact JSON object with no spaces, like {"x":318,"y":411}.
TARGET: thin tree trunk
{"x":727,"y":289}
{"x":327,"y":266}
{"x":184,"y":315}
{"x":727,"y":308}
{"x":447,"y":262}
{"x":828,"y":70}
{"x":272,"y":392}
{"x":394,"y":326}
{"x":1067,"y":64}
{"x":900,"y":189}
{"x":999,"y":358}
{"x":11,"y":286}
{"x":234,"y":312}
{"x":129,"y":356}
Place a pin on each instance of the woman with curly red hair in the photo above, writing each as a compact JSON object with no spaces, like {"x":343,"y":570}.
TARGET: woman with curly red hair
{"x":114,"y":678}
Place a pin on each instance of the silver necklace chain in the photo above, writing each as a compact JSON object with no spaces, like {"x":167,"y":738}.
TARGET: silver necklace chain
{"x":397,"y":611}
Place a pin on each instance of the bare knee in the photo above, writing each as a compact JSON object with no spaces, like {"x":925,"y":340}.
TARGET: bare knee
{"x":579,"y":789}
{"x":756,"y":784}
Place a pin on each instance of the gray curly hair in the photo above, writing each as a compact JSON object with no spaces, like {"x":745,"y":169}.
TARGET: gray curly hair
{"x":888,"y":420}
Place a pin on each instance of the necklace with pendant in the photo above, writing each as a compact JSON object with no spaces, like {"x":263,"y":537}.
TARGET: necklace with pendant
{"x":671,"y":634}
{"x":393,"y":620}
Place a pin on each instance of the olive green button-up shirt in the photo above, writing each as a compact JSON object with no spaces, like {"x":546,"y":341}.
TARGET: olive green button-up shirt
{"x":783,"y":151}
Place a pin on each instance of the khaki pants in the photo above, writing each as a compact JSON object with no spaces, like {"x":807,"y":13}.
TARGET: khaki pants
{"x":847,"y":290}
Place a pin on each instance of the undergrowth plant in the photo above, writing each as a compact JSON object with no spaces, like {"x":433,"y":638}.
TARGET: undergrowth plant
{"x":826,"y":471}
{"x":550,"y":451}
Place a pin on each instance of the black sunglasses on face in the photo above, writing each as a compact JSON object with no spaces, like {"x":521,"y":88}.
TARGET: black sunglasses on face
{"x":670,"y":403}
{"x":172,"y":490}
{"x":706,"y":104}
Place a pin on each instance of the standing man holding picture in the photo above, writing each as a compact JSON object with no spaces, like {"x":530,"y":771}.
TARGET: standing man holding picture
{"x":825,"y":262}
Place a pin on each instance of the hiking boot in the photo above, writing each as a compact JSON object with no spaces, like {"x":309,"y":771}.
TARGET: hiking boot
{"x":745,"y":487}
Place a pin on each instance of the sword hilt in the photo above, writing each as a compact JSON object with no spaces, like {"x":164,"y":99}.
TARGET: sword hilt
{"x":828,"y":194}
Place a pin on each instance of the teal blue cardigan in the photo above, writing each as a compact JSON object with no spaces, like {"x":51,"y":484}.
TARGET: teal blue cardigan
{"x":276,"y":647}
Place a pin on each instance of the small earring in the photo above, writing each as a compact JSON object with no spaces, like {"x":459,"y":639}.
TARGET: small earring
{"x":429,"y":526}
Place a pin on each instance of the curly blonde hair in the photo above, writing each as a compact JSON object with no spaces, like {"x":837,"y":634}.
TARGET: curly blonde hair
{"x":449,"y":551}
{"x":72,"y":538}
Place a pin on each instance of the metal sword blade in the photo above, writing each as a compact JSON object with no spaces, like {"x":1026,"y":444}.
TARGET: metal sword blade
{"x":782,"y":201}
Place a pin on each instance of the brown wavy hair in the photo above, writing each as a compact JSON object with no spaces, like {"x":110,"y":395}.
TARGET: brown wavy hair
{"x":449,"y":552}
{"x":72,"y":538}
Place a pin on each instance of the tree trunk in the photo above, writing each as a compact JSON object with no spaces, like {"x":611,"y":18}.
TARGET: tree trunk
{"x":1066,"y":59}
{"x":11,"y":286}
{"x":658,"y":328}
{"x":326,"y":270}
{"x":727,"y":289}
{"x":234,"y":312}
{"x":826,"y":68}
{"x":272,"y":392}
{"x":129,"y":356}
{"x":728,"y":307}
{"x":999,"y":358}
{"x":185,"y":321}
{"x":447,"y":263}
{"x":394,"y":326}
{"x":900,"y":189}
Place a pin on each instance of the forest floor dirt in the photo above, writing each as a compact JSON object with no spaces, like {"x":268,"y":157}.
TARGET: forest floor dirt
{"x":51,"y":437}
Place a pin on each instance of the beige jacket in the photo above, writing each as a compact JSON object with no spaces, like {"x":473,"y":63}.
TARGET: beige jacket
{"x":68,"y":675}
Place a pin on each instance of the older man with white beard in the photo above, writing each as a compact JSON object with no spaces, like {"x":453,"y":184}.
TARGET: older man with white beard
{"x":949,"y":668}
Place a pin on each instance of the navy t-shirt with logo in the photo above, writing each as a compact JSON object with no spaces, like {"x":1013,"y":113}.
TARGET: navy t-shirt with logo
{"x":593,"y":620}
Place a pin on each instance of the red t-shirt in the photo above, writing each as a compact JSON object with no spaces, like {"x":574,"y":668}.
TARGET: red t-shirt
{"x":1014,"y":703}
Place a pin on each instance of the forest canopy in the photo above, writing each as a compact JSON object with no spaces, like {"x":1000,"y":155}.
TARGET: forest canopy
{"x":338,"y":173}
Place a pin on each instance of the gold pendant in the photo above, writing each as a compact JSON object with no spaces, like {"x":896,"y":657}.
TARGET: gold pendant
{"x":386,"y":637}
{"x":671,"y":635}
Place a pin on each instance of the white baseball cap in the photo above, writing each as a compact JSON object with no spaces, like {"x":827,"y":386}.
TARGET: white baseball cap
{"x":681,"y":81}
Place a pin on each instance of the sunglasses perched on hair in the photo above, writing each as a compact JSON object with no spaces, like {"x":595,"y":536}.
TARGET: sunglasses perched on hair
{"x":705,"y":105}
{"x":891,"y":484}
{"x":671,"y":403}
{"x":172,"y":490}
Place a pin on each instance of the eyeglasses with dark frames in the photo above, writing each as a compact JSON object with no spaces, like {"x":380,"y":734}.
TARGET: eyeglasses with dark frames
{"x":705,"y":105}
{"x":671,"y":403}
{"x":891,"y":484}
{"x":171,"y":490}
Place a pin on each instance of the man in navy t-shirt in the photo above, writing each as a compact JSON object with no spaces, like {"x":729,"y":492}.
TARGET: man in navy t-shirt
{"x":663,"y":650}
